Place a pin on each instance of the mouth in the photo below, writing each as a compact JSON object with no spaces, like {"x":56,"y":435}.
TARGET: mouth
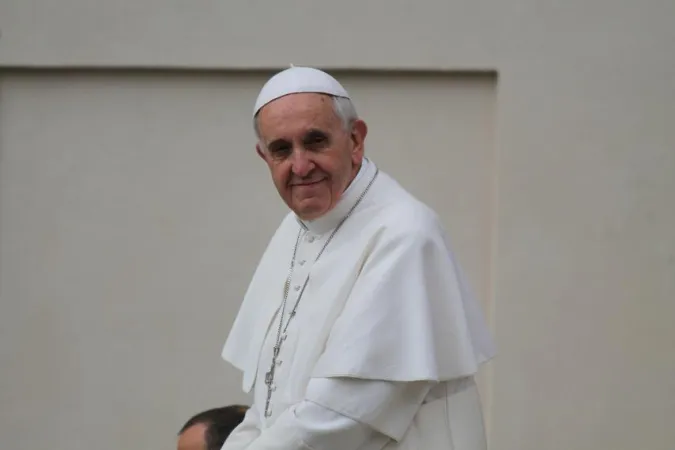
{"x":307,"y":183}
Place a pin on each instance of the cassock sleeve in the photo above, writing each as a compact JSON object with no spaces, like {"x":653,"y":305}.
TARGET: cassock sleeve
{"x":245,"y":433}
{"x":325,"y":419}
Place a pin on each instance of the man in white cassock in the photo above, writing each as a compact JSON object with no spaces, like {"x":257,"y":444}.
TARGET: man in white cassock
{"x":357,"y":330}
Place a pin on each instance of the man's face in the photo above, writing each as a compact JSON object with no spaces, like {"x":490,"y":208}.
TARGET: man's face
{"x":310,"y":154}
{"x":193,"y":438}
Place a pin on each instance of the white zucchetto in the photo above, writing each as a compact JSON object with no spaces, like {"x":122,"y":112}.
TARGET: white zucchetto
{"x":296,"y":80}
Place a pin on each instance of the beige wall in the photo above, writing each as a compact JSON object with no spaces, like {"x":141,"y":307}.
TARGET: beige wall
{"x":582,"y":250}
{"x":133,"y":210}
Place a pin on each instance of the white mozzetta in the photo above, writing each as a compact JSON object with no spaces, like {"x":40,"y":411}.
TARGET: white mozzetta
{"x":385,"y":302}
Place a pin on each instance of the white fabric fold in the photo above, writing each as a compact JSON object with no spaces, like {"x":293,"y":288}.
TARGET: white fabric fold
{"x":386,"y":407}
{"x":408,"y":316}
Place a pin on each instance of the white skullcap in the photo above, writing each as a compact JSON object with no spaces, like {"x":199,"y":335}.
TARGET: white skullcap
{"x":296,"y":80}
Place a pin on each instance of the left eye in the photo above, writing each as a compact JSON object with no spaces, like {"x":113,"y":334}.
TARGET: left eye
{"x":315,"y":140}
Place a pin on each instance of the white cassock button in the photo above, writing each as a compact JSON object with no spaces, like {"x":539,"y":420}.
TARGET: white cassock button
{"x":302,"y":263}
{"x":310,"y":239}
{"x":296,"y":287}
{"x":279,"y":362}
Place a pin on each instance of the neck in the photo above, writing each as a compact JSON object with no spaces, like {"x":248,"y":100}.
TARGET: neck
{"x":355,"y":171}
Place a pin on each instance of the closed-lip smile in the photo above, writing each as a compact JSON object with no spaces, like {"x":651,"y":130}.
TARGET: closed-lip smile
{"x":307,"y":183}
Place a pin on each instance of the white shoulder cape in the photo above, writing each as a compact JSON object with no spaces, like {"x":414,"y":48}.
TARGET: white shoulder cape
{"x":399,"y":310}
{"x":258,"y":307}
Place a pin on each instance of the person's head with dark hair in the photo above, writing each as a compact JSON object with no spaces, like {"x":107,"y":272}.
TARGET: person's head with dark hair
{"x":209,"y":429}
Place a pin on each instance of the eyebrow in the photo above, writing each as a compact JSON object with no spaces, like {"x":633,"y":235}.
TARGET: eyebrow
{"x":311,"y":133}
{"x":315,"y":132}
{"x":277,"y":143}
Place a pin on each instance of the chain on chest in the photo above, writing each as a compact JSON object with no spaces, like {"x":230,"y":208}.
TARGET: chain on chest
{"x":299,"y":289}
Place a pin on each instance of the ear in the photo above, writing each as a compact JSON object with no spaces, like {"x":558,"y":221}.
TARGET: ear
{"x":260,"y":151}
{"x":359,"y":132}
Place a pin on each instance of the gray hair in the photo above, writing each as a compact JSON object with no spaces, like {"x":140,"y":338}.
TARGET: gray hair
{"x":342,"y":106}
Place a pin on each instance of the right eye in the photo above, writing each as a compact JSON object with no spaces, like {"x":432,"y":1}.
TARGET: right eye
{"x":280,"y":151}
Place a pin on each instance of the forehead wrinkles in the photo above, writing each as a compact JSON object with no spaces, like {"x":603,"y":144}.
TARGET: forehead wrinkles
{"x":294,"y":114}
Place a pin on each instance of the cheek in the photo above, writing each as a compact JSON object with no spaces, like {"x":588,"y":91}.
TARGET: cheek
{"x":280,"y":175}
{"x":342,"y":169}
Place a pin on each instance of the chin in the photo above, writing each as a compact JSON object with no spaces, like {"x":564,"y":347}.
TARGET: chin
{"x":305,"y":215}
{"x":311,"y":213}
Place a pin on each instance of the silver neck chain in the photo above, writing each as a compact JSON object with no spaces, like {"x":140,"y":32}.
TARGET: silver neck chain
{"x":281,"y":331}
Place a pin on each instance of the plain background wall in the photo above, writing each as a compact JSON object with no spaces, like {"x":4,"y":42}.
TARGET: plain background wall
{"x":133,"y":209}
{"x":583,"y":255}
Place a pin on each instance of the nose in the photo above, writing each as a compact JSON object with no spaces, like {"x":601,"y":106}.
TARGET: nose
{"x":302,"y":163}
